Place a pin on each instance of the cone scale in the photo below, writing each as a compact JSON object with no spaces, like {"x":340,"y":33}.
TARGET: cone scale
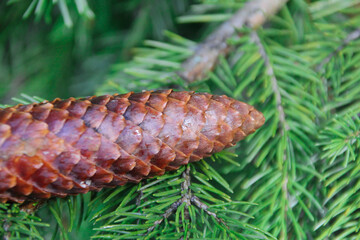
{"x":72,"y":146}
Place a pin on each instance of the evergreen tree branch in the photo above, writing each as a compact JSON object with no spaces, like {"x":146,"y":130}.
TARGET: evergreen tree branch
{"x":187,"y":198}
{"x":197,"y":202}
{"x":167,"y":214}
{"x":6,"y":227}
{"x":253,"y":14}
{"x":269,"y":70}
{"x":351,"y":37}
{"x":302,"y":169}
{"x":274,"y":83}
{"x":42,"y":8}
{"x":138,"y":199}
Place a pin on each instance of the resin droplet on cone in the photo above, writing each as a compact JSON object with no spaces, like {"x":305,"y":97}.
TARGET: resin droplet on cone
{"x":74,"y":146}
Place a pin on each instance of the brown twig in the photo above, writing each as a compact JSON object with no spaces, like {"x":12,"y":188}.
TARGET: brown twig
{"x":253,"y":14}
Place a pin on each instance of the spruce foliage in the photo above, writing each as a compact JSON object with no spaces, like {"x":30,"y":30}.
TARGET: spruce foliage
{"x":298,"y":177}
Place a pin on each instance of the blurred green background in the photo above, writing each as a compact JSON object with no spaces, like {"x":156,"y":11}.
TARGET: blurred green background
{"x":60,"y":50}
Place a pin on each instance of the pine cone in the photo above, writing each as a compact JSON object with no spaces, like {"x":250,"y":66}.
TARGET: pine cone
{"x":72,"y":146}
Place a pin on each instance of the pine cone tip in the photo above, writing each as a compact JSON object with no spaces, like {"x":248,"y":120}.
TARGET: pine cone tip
{"x":259,"y":119}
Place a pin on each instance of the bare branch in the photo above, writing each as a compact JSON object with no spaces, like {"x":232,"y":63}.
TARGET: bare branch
{"x":253,"y":14}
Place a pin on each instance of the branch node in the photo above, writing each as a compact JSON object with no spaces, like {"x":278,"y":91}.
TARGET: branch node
{"x":187,"y":198}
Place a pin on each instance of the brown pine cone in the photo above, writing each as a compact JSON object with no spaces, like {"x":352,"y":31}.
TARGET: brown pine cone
{"x":72,"y":146}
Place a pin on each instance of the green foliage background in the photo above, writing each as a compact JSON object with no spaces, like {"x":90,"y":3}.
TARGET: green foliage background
{"x":296,"y":178}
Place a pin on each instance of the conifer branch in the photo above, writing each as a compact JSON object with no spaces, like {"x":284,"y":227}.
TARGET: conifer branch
{"x":188,"y":198}
{"x":253,"y":14}
{"x":6,"y":227}
{"x":167,"y":214}
{"x":138,"y":198}
{"x":279,"y":105}
{"x":350,"y":37}
{"x":197,"y":202}
{"x":301,"y":169}
{"x":186,"y":195}
{"x":274,"y":82}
